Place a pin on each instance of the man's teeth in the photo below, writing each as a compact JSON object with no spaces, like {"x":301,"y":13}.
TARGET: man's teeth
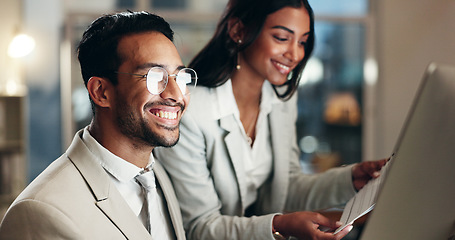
{"x":167,"y":115}
{"x":282,"y":66}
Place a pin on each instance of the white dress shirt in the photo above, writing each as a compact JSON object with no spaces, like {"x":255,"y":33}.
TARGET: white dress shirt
{"x":123,"y":175}
{"x":257,"y":159}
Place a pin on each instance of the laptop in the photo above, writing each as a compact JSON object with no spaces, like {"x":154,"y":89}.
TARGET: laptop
{"x":417,"y":197}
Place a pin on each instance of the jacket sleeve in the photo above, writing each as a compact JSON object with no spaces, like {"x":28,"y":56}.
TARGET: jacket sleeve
{"x":309,"y":192}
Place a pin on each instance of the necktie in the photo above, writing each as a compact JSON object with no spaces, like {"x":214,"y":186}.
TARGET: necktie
{"x":155,"y":222}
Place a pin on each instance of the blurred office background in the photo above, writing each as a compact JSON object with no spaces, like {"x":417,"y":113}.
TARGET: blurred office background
{"x":369,"y":58}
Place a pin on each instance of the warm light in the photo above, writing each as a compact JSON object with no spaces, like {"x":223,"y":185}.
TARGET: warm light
{"x":21,"y":46}
{"x":13,"y":88}
{"x":342,"y":109}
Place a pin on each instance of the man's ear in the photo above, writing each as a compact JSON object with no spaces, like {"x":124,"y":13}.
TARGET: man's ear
{"x":235,"y":29}
{"x":100,"y":91}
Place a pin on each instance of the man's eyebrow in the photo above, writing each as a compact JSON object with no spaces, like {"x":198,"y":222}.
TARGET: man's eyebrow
{"x":288,"y":30}
{"x":151,"y":64}
{"x":181,"y":67}
{"x":148,"y":65}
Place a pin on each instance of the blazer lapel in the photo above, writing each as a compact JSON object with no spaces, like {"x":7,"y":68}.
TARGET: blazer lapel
{"x":229,"y":124}
{"x":280,"y":146}
{"x":107,"y":197}
{"x":117,"y":210}
{"x":171,"y":200}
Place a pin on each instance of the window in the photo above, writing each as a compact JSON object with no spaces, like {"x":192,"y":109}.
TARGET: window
{"x":330,"y":115}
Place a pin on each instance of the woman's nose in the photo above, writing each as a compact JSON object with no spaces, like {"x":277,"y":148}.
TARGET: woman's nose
{"x":295,"y":52}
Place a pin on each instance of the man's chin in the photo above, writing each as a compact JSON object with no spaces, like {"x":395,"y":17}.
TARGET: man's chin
{"x":168,"y":141}
{"x":170,"y":144}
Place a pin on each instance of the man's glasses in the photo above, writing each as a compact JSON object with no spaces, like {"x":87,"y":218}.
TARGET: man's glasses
{"x":157,"y":79}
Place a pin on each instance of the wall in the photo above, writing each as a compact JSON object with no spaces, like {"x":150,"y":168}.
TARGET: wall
{"x":410,"y":34}
{"x":11,"y":19}
{"x":43,"y":20}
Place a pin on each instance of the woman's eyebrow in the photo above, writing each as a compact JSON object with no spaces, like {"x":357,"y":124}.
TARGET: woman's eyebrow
{"x":284,"y":28}
{"x":287,"y":29}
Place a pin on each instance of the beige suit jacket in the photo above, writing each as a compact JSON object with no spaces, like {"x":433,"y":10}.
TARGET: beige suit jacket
{"x":75,"y":199}
{"x":209,"y":178}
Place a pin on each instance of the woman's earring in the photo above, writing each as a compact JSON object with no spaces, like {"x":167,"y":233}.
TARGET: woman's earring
{"x":238,"y":57}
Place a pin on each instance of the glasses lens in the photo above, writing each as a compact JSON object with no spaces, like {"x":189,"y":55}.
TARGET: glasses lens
{"x":186,"y":80}
{"x":156,"y":80}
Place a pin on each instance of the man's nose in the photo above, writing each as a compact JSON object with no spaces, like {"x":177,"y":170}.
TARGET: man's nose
{"x":172,"y":91}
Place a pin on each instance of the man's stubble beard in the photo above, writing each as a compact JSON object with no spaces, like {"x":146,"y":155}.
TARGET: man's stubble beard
{"x":138,"y":128}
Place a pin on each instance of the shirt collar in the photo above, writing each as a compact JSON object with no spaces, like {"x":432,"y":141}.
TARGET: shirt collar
{"x":269,"y":97}
{"x":226,"y":104}
{"x":119,"y":168}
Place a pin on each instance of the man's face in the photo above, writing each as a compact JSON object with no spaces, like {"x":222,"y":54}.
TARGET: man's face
{"x":148,"y":119}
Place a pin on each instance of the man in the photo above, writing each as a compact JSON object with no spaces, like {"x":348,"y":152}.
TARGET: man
{"x":137,"y":86}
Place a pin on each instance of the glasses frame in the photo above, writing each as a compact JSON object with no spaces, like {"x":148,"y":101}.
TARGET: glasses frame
{"x":165,"y":78}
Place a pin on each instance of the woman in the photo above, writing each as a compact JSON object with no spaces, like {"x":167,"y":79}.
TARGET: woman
{"x":236,"y":167}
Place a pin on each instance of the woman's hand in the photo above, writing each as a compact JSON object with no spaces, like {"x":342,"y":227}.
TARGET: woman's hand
{"x":308,"y":225}
{"x":364,"y":171}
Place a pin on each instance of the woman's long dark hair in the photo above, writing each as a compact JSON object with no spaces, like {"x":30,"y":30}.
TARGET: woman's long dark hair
{"x":216,"y":61}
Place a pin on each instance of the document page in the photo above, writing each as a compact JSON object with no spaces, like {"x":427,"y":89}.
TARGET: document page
{"x":364,"y":201}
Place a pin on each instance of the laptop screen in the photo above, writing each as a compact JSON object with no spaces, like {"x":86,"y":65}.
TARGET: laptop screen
{"x":417,"y":198}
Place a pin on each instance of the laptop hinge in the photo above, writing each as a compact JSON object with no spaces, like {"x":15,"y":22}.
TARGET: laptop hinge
{"x":452,"y":234}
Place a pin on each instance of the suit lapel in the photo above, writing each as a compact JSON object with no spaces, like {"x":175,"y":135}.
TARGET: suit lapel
{"x":171,"y":200}
{"x":107,"y":198}
{"x":118,"y":211}
{"x":280,"y":148}
{"x":229,"y":124}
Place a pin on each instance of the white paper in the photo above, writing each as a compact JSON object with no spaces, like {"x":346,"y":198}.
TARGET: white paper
{"x":363,"y":202}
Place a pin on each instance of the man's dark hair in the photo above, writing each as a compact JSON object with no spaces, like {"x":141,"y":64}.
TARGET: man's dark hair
{"x":97,"y":50}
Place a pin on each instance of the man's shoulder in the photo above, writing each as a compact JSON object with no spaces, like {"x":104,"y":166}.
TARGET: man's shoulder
{"x":58,"y":202}
{"x":55,"y":180}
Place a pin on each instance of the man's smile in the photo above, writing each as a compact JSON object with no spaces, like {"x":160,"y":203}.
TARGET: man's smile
{"x":165,"y":114}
